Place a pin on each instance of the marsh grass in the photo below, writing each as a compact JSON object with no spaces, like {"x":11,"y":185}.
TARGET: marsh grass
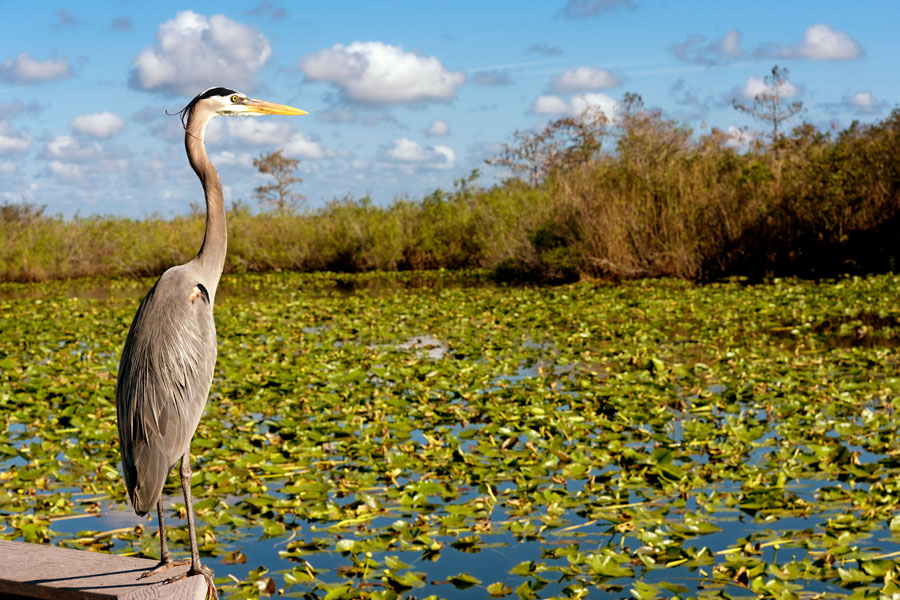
{"x":659,"y":202}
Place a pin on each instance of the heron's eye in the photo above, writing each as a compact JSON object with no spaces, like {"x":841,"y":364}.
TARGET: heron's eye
{"x":235,"y":99}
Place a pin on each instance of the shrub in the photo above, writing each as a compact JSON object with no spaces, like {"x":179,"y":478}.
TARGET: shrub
{"x":661,"y":203}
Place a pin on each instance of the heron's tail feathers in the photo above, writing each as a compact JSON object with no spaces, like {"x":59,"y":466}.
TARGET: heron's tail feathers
{"x":146,"y":478}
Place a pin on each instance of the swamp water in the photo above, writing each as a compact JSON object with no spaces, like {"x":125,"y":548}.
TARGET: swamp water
{"x":416,"y":435}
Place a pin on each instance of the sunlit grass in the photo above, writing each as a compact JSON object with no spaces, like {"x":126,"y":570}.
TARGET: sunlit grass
{"x":663,"y":202}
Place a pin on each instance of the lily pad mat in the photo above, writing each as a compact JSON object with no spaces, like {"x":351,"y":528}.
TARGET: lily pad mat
{"x":433,"y":435}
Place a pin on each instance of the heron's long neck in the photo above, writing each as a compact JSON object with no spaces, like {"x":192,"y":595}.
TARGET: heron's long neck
{"x":211,"y":258}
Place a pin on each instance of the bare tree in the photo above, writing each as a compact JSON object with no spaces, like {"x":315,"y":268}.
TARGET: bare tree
{"x":580,"y":137}
{"x":524,"y":157}
{"x":771,"y":105}
{"x":645,"y":136}
{"x":279,"y":195}
{"x":563,"y":143}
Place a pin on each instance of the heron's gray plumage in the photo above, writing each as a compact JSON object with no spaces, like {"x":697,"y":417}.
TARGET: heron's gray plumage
{"x":164,"y":378}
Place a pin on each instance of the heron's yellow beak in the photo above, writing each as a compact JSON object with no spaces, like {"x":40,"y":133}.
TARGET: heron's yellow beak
{"x":270,"y":108}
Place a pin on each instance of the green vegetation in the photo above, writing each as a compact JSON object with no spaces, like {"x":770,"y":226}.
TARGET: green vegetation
{"x":421,"y":435}
{"x":641,"y":198}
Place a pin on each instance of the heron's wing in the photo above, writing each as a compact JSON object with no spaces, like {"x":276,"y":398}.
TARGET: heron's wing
{"x":163,"y":382}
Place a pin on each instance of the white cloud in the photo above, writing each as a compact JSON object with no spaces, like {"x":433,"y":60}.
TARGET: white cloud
{"x":821,"y":42}
{"x":300,"y":146}
{"x":13,"y":142}
{"x":228,"y":158}
{"x":862,"y":100}
{"x":554,"y":105}
{"x":16,"y":107}
{"x":438,"y":128}
{"x":726,"y":48}
{"x":86,"y":161}
{"x":448,"y":155}
{"x":272,"y":133}
{"x":25,"y":69}
{"x":195,"y":52}
{"x":7,"y":167}
{"x":583,"y":79}
{"x":258,"y":131}
{"x":65,"y":170}
{"x":68,"y":149}
{"x":549,"y":105}
{"x":755,"y":86}
{"x":405,"y":150}
{"x":378,"y":73}
{"x":730,"y":45}
{"x":864,"y":103}
{"x":607,"y":105}
{"x":98,"y":125}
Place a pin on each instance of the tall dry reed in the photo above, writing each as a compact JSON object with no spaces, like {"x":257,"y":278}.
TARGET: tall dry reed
{"x":660,"y":202}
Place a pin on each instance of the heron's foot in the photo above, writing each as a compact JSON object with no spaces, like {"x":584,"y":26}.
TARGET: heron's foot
{"x":207,"y":574}
{"x":165,"y":565}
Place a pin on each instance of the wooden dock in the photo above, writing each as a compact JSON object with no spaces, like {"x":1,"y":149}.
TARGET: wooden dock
{"x":53,"y":573}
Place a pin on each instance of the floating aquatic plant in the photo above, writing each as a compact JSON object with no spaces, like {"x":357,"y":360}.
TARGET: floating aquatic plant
{"x":429,"y":435}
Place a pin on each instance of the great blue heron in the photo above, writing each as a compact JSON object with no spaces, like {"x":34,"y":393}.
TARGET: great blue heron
{"x":170,"y":353}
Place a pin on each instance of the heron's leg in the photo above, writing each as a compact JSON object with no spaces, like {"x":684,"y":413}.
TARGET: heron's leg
{"x":165,"y":561}
{"x":196,"y":567}
{"x":163,"y":545}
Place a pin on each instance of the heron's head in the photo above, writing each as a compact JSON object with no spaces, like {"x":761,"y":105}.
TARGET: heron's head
{"x":224,"y":102}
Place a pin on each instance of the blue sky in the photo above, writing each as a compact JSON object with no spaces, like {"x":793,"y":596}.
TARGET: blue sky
{"x":404,"y":97}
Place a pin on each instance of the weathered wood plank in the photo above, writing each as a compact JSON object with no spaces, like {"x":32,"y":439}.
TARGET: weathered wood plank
{"x":53,"y":573}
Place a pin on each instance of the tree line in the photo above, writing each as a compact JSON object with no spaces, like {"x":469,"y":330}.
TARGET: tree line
{"x":640,"y":196}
